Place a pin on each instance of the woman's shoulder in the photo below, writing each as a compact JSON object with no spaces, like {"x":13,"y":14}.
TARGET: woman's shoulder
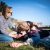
{"x":1,"y":18}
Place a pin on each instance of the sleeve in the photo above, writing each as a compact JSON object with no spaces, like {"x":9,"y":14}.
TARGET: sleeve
{"x":3,"y":29}
{"x":6,"y":31}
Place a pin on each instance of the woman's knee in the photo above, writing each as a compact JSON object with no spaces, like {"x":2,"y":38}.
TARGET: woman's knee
{"x":5,"y":38}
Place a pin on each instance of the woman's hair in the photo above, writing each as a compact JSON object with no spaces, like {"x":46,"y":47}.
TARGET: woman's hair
{"x":24,"y":26}
{"x":4,"y":10}
{"x":3,"y":7}
{"x":31,"y":24}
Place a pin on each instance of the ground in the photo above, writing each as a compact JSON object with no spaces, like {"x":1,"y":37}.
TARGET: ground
{"x":4,"y":46}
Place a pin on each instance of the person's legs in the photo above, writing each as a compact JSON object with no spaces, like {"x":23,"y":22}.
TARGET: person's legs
{"x":46,"y":41}
{"x":5,"y":38}
{"x":29,"y":41}
{"x":34,"y":39}
{"x":9,"y":40}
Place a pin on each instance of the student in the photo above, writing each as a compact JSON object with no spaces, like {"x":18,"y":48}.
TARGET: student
{"x":6,"y":34}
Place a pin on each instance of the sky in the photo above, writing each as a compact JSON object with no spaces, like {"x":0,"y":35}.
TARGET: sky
{"x":31,"y":10}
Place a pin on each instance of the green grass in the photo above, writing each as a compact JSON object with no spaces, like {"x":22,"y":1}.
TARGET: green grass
{"x":4,"y":46}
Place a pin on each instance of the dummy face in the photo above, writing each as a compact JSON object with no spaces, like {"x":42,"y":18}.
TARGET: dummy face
{"x":8,"y":13}
{"x":33,"y":28}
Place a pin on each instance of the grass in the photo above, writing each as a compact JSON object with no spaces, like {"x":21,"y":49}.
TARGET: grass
{"x":4,"y":46}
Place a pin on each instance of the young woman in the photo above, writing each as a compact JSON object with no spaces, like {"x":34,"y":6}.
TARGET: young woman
{"x":6,"y":34}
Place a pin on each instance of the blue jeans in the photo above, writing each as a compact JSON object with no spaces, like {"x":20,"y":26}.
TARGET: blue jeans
{"x":34,"y":39}
{"x":46,"y":41}
{"x":5,"y":38}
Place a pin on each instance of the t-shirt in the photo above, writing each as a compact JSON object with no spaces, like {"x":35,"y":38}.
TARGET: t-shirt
{"x":5,"y":25}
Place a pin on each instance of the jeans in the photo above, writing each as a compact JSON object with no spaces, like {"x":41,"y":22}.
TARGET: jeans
{"x":34,"y":39}
{"x":5,"y":38}
{"x":46,"y":41}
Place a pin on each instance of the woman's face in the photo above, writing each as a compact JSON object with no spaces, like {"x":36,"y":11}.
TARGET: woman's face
{"x":8,"y":12}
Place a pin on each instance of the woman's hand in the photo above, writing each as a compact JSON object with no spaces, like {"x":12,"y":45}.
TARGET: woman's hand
{"x":13,"y":34}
